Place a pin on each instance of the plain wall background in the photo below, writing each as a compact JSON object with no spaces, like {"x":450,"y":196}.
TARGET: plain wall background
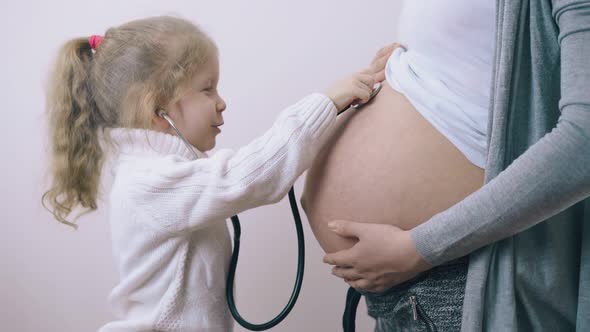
{"x":272,"y":53}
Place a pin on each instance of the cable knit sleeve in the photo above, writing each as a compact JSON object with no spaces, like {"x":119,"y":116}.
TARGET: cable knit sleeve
{"x":177,"y":195}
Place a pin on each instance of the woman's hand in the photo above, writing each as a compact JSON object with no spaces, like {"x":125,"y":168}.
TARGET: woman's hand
{"x":377,"y":67}
{"x":354,"y":88}
{"x":358,"y":87}
{"x":384,"y":256}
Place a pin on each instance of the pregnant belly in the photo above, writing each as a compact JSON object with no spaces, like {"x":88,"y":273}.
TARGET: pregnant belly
{"x":385,"y":164}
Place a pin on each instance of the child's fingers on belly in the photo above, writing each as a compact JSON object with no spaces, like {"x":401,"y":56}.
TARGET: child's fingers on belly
{"x":385,"y":164}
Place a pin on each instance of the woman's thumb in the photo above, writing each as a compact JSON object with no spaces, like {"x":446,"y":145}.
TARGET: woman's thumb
{"x":345,"y":228}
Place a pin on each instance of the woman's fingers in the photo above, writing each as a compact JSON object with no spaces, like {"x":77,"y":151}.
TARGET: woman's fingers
{"x":386,"y":51}
{"x":347,"y":228}
{"x":379,"y":62}
{"x":367,"y":285}
{"x":346,"y":273}
{"x":341,"y":258}
{"x":362,"y":284}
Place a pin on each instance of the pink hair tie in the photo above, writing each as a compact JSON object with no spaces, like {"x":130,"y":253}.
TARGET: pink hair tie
{"x":95,"y":41}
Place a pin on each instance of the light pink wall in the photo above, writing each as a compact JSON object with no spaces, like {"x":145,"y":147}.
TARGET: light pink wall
{"x":272,"y":53}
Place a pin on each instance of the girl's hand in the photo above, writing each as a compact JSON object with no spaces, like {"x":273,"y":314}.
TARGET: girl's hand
{"x":384,"y":256}
{"x":355,"y":88}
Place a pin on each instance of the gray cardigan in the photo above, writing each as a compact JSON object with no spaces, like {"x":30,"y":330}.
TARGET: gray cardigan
{"x":537,"y":276}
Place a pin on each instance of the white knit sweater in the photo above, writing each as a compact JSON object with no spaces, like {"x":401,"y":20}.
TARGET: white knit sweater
{"x":167,"y":213}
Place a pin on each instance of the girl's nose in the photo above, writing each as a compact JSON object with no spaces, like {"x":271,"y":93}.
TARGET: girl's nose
{"x":221,"y":105}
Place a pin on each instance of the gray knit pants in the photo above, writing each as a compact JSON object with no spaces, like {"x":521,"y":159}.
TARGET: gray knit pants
{"x":433,"y":301}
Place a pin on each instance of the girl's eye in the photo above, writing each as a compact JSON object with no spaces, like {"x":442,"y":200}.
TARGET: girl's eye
{"x":210,"y":91}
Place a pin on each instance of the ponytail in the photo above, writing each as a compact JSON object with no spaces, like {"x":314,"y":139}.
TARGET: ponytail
{"x":76,"y":157}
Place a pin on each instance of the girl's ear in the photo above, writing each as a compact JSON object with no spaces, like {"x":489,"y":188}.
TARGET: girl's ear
{"x":158,"y":121}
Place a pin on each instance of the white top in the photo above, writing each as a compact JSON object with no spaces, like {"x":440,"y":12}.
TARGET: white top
{"x":446,"y":71}
{"x":167,"y":214}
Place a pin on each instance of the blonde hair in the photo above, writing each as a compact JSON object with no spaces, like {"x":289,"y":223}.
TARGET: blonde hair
{"x":139,"y":66}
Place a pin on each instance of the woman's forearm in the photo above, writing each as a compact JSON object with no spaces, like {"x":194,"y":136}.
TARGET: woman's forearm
{"x":551,"y":176}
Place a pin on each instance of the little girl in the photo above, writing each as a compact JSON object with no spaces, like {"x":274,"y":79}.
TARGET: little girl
{"x":167,"y":209}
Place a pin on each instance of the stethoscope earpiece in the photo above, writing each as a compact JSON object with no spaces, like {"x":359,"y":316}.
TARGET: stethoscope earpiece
{"x":161,"y":113}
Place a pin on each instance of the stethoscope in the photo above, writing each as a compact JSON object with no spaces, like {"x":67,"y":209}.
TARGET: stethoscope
{"x":237,"y":233}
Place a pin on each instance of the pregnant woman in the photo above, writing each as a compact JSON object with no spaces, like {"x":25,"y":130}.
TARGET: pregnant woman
{"x":415,"y":162}
{"x":419,"y":147}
